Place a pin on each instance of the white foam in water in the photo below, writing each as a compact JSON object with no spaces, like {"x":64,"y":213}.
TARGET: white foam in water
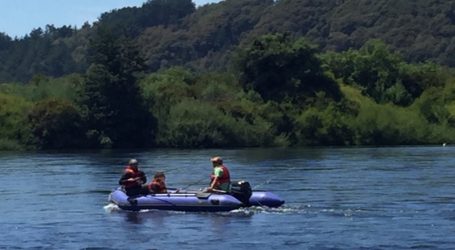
{"x":160,"y":211}
{"x":111,"y":207}
{"x":266,"y":210}
{"x":249,"y":211}
{"x":281,"y":210}
{"x":240,"y":212}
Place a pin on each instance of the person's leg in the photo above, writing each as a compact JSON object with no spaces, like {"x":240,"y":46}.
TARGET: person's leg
{"x":133,"y":191}
{"x":144,"y":189}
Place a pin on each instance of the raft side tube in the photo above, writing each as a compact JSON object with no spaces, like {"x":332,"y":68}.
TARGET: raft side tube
{"x":175,"y":201}
{"x":264,"y":198}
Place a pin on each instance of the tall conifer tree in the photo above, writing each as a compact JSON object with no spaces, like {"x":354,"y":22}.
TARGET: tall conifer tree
{"x":115,"y":111}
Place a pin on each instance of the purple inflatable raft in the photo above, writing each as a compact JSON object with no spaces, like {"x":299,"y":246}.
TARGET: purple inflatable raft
{"x":241,"y":195}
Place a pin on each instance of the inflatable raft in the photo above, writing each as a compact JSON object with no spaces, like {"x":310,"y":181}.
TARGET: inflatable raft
{"x":197,"y":201}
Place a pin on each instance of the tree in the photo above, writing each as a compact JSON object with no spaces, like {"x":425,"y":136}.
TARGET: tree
{"x":5,"y":41}
{"x":56,"y":125}
{"x":132,"y":21}
{"x":383,"y":74}
{"x":114,"y":107}
{"x":164,"y":12}
{"x":14,"y":128}
{"x":279,"y":68}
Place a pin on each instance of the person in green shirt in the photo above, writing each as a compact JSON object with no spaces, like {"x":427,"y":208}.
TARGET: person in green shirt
{"x":220,"y":178}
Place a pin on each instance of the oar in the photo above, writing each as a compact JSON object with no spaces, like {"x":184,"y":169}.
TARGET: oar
{"x":218,"y":191}
{"x":194,"y":183}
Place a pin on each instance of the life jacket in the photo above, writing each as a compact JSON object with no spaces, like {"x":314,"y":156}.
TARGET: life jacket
{"x":157,"y":186}
{"x":134,"y":174}
{"x":225,"y":178}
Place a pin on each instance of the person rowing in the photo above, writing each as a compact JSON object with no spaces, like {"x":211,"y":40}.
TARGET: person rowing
{"x":133,"y":180}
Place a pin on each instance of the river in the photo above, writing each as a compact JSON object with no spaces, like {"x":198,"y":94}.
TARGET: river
{"x":336,"y":198}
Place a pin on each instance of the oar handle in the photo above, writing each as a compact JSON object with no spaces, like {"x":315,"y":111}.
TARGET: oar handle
{"x":194,"y":183}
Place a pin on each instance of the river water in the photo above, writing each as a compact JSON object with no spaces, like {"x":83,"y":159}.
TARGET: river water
{"x":336,"y":198}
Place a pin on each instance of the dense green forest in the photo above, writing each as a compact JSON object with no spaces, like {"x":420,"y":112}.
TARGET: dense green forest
{"x":237,"y":73}
{"x":176,"y":33}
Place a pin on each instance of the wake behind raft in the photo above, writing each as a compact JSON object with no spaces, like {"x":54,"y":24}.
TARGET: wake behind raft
{"x":241,"y":195}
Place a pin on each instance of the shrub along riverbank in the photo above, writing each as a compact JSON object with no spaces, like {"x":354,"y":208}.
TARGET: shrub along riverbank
{"x":279,"y":92}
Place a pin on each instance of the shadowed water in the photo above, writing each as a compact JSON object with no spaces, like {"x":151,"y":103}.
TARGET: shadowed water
{"x":336,"y":198}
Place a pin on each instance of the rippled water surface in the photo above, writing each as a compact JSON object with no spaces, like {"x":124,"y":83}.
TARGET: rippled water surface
{"x":336,"y":198}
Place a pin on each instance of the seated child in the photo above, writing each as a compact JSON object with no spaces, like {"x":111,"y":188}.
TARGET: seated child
{"x":157,"y":186}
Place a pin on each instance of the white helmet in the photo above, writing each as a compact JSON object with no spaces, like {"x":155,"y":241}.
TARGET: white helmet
{"x":133,"y":162}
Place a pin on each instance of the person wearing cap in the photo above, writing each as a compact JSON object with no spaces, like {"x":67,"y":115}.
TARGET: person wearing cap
{"x":133,"y":180}
{"x":220,"y":178}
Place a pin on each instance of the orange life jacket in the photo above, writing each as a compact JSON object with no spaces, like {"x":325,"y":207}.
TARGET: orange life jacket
{"x":225,"y":178}
{"x":157,"y":186}
{"x":134,"y":174}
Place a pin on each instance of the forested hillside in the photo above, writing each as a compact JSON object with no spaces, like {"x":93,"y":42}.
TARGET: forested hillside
{"x":234,"y":74}
{"x":174,"y":32}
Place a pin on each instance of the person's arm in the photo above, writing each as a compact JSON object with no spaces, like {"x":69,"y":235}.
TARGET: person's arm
{"x":213,"y":184}
{"x":157,"y":188}
{"x":127,"y":178}
{"x":124,"y":179}
{"x":161,"y":188}
{"x":143,"y":178}
{"x":218,"y":172}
